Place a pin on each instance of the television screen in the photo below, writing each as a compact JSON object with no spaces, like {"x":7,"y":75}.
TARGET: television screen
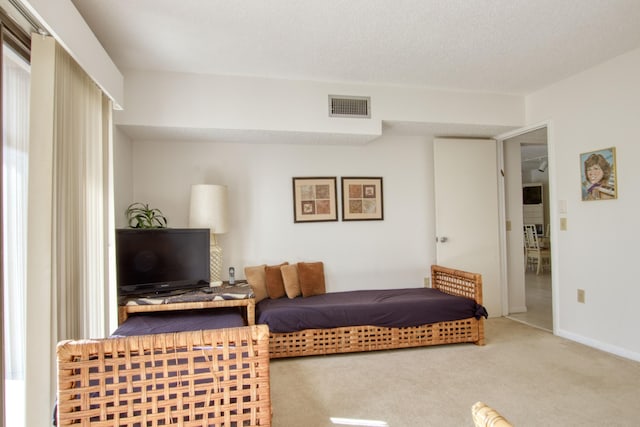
{"x":532,"y":195}
{"x":150,"y":261}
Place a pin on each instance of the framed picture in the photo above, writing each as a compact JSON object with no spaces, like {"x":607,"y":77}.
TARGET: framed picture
{"x":362,"y":199}
{"x":314,"y":199}
{"x":598,"y":169}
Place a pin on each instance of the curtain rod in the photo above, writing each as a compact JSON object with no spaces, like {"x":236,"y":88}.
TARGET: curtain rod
{"x":32,"y":21}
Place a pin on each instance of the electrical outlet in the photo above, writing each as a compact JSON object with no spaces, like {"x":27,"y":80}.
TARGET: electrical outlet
{"x":427,"y":282}
{"x":581,"y":296}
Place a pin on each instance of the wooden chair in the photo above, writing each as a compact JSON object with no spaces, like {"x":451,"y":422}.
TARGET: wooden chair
{"x":485,"y":416}
{"x":535,"y":255}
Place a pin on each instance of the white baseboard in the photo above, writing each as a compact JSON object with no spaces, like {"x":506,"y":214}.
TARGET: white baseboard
{"x":522,"y":309}
{"x":618,"y":351}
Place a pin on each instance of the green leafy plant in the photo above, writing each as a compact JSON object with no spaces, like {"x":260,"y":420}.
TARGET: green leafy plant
{"x":140,"y":215}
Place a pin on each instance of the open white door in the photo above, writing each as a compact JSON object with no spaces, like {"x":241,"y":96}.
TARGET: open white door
{"x":467,"y":219}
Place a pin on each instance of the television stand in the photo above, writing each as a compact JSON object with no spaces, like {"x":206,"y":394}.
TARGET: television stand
{"x":238,"y":295}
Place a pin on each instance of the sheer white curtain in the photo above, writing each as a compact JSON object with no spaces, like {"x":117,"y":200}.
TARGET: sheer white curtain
{"x":15,"y":168}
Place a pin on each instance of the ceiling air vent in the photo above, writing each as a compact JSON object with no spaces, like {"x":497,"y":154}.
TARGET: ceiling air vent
{"x":350,"y":106}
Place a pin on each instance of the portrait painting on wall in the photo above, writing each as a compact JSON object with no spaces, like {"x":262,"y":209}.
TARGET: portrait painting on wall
{"x":599,"y":174}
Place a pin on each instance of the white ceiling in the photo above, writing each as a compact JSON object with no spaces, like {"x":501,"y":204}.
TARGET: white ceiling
{"x":508,"y":46}
{"x":505,"y":46}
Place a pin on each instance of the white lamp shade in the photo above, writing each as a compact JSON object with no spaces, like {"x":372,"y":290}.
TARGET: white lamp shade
{"x":208,"y":208}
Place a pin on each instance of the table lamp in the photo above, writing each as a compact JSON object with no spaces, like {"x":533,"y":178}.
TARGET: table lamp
{"x":208,"y":209}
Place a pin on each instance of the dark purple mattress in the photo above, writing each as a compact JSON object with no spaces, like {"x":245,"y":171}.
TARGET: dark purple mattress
{"x":389,"y":308}
{"x":163,"y":322}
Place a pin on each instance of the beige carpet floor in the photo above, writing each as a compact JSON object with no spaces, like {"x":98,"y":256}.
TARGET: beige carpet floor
{"x":532,"y":377}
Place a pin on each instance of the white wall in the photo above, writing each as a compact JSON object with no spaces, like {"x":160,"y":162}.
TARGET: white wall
{"x":178,"y":100}
{"x":396,"y":252}
{"x":123,"y":175}
{"x":595,"y":109}
{"x":598,"y":252}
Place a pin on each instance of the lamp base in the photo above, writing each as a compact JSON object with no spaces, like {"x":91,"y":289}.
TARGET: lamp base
{"x":215,"y":263}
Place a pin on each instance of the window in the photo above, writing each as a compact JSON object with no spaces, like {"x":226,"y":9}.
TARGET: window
{"x":15,"y":151}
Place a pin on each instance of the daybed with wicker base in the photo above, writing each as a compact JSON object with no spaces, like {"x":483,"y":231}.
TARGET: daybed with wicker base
{"x":213,"y":377}
{"x":347,"y":339}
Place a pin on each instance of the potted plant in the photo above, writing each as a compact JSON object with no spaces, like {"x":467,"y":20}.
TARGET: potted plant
{"x":140,"y":215}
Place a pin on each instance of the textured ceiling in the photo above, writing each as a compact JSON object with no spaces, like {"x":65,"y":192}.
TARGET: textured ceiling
{"x":504,"y":46}
{"x":507,"y":46}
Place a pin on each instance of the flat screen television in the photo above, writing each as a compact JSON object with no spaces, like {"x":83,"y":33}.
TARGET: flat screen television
{"x":154,"y":261}
{"x":532,"y":195}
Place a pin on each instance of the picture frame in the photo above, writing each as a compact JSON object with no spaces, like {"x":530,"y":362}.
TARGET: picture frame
{"x":598,"y":174}
{"x":315,"y":199}
{"x":362,"y":199}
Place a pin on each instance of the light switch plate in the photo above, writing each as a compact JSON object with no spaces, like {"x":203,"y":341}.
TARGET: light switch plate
{"x":562,"y":206}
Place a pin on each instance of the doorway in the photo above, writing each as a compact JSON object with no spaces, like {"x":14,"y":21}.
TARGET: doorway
{"x":535,"y":307}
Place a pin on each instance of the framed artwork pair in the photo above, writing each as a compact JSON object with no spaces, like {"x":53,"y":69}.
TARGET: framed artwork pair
{"x":315,"y":199}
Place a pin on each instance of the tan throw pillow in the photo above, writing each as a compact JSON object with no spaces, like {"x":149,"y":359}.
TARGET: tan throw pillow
{"x":275,"y":285}
{"x":256,"y":277}
{"x":290,"y":279}
{"x":311,"y":277}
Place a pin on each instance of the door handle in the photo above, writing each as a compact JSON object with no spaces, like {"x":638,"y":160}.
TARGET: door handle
{"x":443,"y":239}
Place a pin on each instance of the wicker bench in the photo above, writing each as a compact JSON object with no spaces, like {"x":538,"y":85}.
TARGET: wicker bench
{"x":213,"y":377}
{"x":310,"y":342}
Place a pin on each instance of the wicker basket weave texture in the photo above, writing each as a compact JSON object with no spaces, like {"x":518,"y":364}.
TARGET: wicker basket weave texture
{"x":214,"y":377}
{"x":310,"y":342}
{"x":485,"y":416}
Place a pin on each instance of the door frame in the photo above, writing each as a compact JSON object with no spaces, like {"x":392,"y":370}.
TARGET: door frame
{"x":553,"y":216}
